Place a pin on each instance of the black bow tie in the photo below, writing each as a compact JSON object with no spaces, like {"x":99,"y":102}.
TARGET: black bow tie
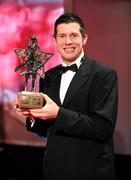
{"x":72,"y":67}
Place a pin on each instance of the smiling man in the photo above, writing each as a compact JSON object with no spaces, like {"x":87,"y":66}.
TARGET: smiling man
{"x":80,"y":113}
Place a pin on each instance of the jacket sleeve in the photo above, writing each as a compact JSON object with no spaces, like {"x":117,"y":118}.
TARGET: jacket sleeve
{"x":37,"y":127}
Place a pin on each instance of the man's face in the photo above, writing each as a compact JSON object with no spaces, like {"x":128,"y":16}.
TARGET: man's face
{"x":69,"y":41}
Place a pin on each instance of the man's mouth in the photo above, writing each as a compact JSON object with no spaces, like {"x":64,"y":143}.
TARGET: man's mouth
{"x":69,"y":50}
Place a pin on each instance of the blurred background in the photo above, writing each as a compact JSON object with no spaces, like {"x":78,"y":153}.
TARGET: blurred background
{"x":108,"y":27}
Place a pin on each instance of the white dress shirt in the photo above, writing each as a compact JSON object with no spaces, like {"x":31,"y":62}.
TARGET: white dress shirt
{"x":67,"y":78}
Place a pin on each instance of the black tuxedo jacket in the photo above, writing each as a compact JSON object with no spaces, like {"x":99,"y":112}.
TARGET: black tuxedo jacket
{"x":80,"y":139}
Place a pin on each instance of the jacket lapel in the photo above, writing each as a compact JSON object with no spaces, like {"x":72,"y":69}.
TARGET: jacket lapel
{"x":53,"y":86}
{"x":56,"y":89}
{"x":77,"y":82}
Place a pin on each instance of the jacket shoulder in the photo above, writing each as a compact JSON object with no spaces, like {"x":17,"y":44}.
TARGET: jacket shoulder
{"x":51,"y":73}
{"x":52,"y":70}
{"x":99,"y":66}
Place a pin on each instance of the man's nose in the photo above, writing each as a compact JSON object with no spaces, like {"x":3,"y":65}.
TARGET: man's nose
{"x":68,"y":40}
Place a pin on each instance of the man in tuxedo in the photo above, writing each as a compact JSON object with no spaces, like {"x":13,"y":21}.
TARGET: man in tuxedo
{"x":80,"y":113}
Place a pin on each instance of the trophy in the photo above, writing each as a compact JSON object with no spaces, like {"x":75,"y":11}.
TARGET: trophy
{"x":31,"y":60}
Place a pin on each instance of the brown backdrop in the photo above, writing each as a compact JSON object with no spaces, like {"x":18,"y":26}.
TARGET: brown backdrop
{"x":109,"y":30}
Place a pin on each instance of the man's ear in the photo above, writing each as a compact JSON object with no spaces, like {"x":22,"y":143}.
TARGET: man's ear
{"x":85,"y":38}
{"x":55,"y":42}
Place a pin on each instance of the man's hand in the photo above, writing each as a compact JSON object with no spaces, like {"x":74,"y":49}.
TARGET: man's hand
{"x":48,"y":112}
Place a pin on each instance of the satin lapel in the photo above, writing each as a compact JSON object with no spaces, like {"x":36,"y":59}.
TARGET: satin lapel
{"x":54,"y":88}
{"x":77,"y":82}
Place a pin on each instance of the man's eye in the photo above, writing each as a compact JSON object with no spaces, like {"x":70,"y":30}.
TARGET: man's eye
{"x":61,"y":36}
{"x":75,"y":35}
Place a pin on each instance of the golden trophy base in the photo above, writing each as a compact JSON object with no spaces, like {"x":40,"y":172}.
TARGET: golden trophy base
{"x":30,"y":100}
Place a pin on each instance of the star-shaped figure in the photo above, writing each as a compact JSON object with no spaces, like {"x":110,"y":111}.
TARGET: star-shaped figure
{"x":32,"y":59}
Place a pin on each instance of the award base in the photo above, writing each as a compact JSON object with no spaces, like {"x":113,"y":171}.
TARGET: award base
{"x":30,"y":100}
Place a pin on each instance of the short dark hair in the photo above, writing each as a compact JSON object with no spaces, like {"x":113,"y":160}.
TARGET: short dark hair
{"x":68,"y":18}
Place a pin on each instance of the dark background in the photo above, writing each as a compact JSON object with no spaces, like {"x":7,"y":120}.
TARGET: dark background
{"x":25,"y":163}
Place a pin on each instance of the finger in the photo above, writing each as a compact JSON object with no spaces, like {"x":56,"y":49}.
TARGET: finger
{"x":15,"y":102}
{"x":45,"y":96}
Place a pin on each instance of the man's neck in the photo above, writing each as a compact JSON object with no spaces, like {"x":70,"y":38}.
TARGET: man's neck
{"x":64,"y":63}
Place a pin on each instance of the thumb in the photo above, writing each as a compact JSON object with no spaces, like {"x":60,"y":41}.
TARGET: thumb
{"x":46,"y":98}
